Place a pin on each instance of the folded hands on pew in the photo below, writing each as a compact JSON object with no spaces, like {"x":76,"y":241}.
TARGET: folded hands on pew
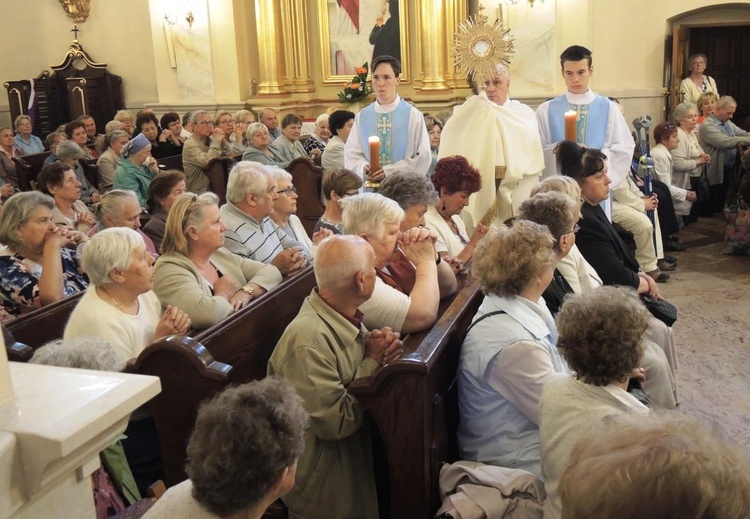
{"x":383,"y":345}
{"x":173,"y":322}
{"x":419,"y":245}
{"x":237,"y":297}
{"x":7,"y":190}
{"x":290,"y":261}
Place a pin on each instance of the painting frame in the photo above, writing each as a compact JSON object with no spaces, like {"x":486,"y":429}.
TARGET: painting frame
{"x":327,"y":46}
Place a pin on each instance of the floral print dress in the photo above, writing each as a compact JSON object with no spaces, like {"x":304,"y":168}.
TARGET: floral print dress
{"x":19,"y":280}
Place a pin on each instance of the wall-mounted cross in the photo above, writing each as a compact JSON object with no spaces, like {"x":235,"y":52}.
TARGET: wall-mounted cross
{"x":75,"y":30}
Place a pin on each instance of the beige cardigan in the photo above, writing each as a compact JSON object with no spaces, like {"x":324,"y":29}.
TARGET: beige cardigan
{"x":178,"y":283}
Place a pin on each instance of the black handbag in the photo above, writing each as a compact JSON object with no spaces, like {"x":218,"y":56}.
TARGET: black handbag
{"x":663,"y":310}
{"x":703,"y":194}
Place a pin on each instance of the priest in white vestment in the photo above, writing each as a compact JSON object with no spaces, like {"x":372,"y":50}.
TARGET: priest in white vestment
{"x":404,"y":143}
{"x":500,"y":138}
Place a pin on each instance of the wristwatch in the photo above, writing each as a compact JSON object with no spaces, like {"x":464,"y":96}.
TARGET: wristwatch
{"x":249,"y":290}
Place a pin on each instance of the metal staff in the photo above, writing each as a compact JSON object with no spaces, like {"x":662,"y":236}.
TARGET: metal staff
{"x":646,"y":163}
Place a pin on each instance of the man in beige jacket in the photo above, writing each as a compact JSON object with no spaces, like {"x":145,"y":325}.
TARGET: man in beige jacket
{"x":322,"y":351}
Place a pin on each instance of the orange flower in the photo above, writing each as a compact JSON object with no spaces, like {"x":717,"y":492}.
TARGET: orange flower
{"x":346,"y":84}
{"x":361,"y":70}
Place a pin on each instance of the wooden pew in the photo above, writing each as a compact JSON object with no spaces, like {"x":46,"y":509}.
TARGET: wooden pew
{"x":413,"y":401}
{"x":245,"y":340}
{"x":251,"y":335}
{"x":173,"y":162}
{"x":188,"y":375}
{"x":28,"y":168}
{"x":307,"y":178}
{"x":217,"y":172}
{"x":16,"y":351}
{"x":414,"y":404}
{"x":91,"y":170}
{"x":44,"y":324}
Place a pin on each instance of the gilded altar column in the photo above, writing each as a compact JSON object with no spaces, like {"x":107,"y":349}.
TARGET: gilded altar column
{"x":268,"y":51}
{"x":295,"y":30}
{"x":433,"y":44}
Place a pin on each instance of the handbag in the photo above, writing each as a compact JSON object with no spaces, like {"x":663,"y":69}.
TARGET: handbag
{"x":703,"y":194}
{"x":662,"y":309}
{"x":737,"y":234}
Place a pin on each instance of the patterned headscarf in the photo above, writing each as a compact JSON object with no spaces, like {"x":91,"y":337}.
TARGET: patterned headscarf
{"x":135,"y":145}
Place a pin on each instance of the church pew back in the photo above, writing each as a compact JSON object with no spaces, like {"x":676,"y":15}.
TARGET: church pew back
{"x":44,"y":324}
{"x":307,"y":178}
{"x":412,"y":401}
{"x":28,"y":168}
{"x":173,"y":162}
{"x":16,"y":351}
{"x":414,"y":404}
{"x":247,"y":338}
{"x":188,"y":375}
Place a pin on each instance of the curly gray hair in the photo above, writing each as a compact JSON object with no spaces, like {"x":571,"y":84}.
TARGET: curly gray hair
{"x":409,"y":189}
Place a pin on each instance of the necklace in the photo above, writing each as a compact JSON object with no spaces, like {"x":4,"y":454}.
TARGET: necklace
{"x":115,"y":302}
{"x":454,"y":226}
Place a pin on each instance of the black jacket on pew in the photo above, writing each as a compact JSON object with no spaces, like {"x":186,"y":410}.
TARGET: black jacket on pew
{"x":603,"y":248}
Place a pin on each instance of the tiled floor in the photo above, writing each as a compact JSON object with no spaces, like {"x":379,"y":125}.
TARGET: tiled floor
{"x":712,"y":294}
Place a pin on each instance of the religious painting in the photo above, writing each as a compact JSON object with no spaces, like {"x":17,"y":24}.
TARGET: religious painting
{"x":352,"y":32}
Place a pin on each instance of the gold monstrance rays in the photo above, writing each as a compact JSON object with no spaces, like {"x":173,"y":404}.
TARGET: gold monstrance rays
{"x":480,"y":47}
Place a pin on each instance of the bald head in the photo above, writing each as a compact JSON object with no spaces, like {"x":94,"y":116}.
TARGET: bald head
{"x":338,"y":261}
{"x":268,"y":117}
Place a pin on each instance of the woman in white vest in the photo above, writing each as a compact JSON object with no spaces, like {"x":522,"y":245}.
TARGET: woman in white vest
{"x":510,"y":349}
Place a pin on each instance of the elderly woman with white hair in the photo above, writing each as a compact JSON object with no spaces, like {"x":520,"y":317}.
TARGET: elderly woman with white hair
{"x":120,"y":208}
{"x":120,"y":299}
{"x":110,"y":157}
{"x":137,"y":168}
{"x":69,"y":153}
{"x":196,"y":273}
{"x":37,"y":268}
{"x":284,"y":208}
{"x":688,"y":156}
{"x":407,"y":292}
{"x":26,"y":142}
{"x":318,"y":139}
{"x":258,"y":147}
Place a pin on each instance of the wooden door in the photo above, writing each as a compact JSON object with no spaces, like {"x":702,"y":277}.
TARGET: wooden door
{"x":727,"y":50}
{"x":680,"y":41}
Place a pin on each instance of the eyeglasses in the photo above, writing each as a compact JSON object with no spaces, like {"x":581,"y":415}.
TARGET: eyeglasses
{"x":205,"y":123}
{"x":576,"y":228}
{"x":350,"y":193}
{"x":289,"y":191}
{"x":226,"y":121}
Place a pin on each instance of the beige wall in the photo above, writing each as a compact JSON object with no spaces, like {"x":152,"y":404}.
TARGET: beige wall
{"x":627,"y":38}
{"x":36,"y":36}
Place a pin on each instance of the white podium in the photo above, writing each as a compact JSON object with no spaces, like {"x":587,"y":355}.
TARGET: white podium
{"x":51,"y":434}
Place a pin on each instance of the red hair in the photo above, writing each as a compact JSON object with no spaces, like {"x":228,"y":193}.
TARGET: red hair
{"x":455,"y":173}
